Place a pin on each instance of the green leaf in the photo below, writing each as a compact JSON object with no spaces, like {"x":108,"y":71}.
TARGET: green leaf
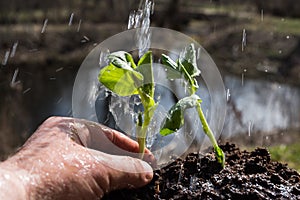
{"x":172,"y":69}
{"x":121,"y":81}
{"x":189,"y":61}
{"x":192,"y":81}
{"x":122,"y":59}
{"x":146,"y":58}
{"x":130,"y":59}
{"x":175,"y":118}
{"x":145,"y":68}
{"x":186,"y":66}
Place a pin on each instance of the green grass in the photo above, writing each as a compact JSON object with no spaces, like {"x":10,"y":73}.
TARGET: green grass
{"x":287,"y":154}
{"x":290,"y":26}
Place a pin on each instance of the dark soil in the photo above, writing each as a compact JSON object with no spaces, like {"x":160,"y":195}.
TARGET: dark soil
{"x":247,"y":175}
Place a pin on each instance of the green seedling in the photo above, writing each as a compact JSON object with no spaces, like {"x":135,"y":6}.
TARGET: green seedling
{"x":186,"y":67}
{"x":125,"y":78}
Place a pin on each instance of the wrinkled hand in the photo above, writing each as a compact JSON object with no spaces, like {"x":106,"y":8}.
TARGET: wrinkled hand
{"x":70,"y":158}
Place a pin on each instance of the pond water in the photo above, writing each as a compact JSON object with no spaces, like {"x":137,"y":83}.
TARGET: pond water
{"x":260,"y":106}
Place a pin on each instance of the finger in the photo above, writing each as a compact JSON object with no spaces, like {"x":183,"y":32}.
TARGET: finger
{"x":121,"y":171}
{"x":97,"y":131}
{"x":94,"y":136}
{"x":102,"y":138}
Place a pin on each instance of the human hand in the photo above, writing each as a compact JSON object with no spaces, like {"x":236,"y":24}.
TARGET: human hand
{"x":69,"y":158}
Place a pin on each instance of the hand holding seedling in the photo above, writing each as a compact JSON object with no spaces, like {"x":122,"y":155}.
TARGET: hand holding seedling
{"x":186,"y":68}
{"x":69,"y":158}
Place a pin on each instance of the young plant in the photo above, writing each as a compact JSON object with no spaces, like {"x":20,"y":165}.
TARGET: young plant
{"x":186,"y":67}
{"x":125,"y":78}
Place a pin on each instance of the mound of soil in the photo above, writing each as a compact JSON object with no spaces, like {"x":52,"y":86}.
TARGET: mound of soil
{"x":247,"y":175}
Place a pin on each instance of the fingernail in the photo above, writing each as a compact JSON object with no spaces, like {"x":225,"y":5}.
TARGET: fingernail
{"x":148,"y":171}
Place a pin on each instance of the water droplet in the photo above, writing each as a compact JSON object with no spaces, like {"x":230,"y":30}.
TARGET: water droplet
{"x":280,"y":51}
{"x":27,"y":90}
{"x":79,"y":25}
{"x":85,"y":37}
{"x":227,"y":94}
{"x":281,"y":133}
{"x":249,"y":128}
{"x":33,"y":50}
{"x":14,"y":48}
{"x":287,"y":37}
{"x":13,"y":80}
{"x":44,"y":26}
{"x":152,"y":7}
{"x":262,"y":15}
{"x":103,"y":57}
{"x":206,"y":113}
{"x":6,"y":56}
{"x":245,"y":70}
{"x":71,"y":19}
{"x":59,"y":69}
{"x":59,"y":100}
{"x":243,"y":75}
{"x":198,"y":53}
{"x":244,"y":40}
{"x":131,"y":20}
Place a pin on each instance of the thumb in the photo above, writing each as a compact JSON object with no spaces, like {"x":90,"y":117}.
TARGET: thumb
{"x":122,"y":171}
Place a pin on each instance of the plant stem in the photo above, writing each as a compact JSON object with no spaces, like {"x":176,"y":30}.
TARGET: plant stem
{"x":142,"y":132}
{"x":149,"y":107}
{"x":218,"y":151}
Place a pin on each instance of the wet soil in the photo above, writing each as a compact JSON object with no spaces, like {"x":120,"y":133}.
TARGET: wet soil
{"x":247,"y":175}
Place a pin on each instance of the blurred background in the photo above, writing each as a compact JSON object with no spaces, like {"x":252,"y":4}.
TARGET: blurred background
{"x":255,"y":44}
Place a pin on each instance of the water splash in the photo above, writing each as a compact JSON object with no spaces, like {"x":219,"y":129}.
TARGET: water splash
{"x":193,"y":183}
{"x":180,"y":174}
{"x":123,"y":113}
{"x":141,"y":19}
{"x":44,"y":26}
{"x":244,"y":39}
{"x":103,"y":57}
